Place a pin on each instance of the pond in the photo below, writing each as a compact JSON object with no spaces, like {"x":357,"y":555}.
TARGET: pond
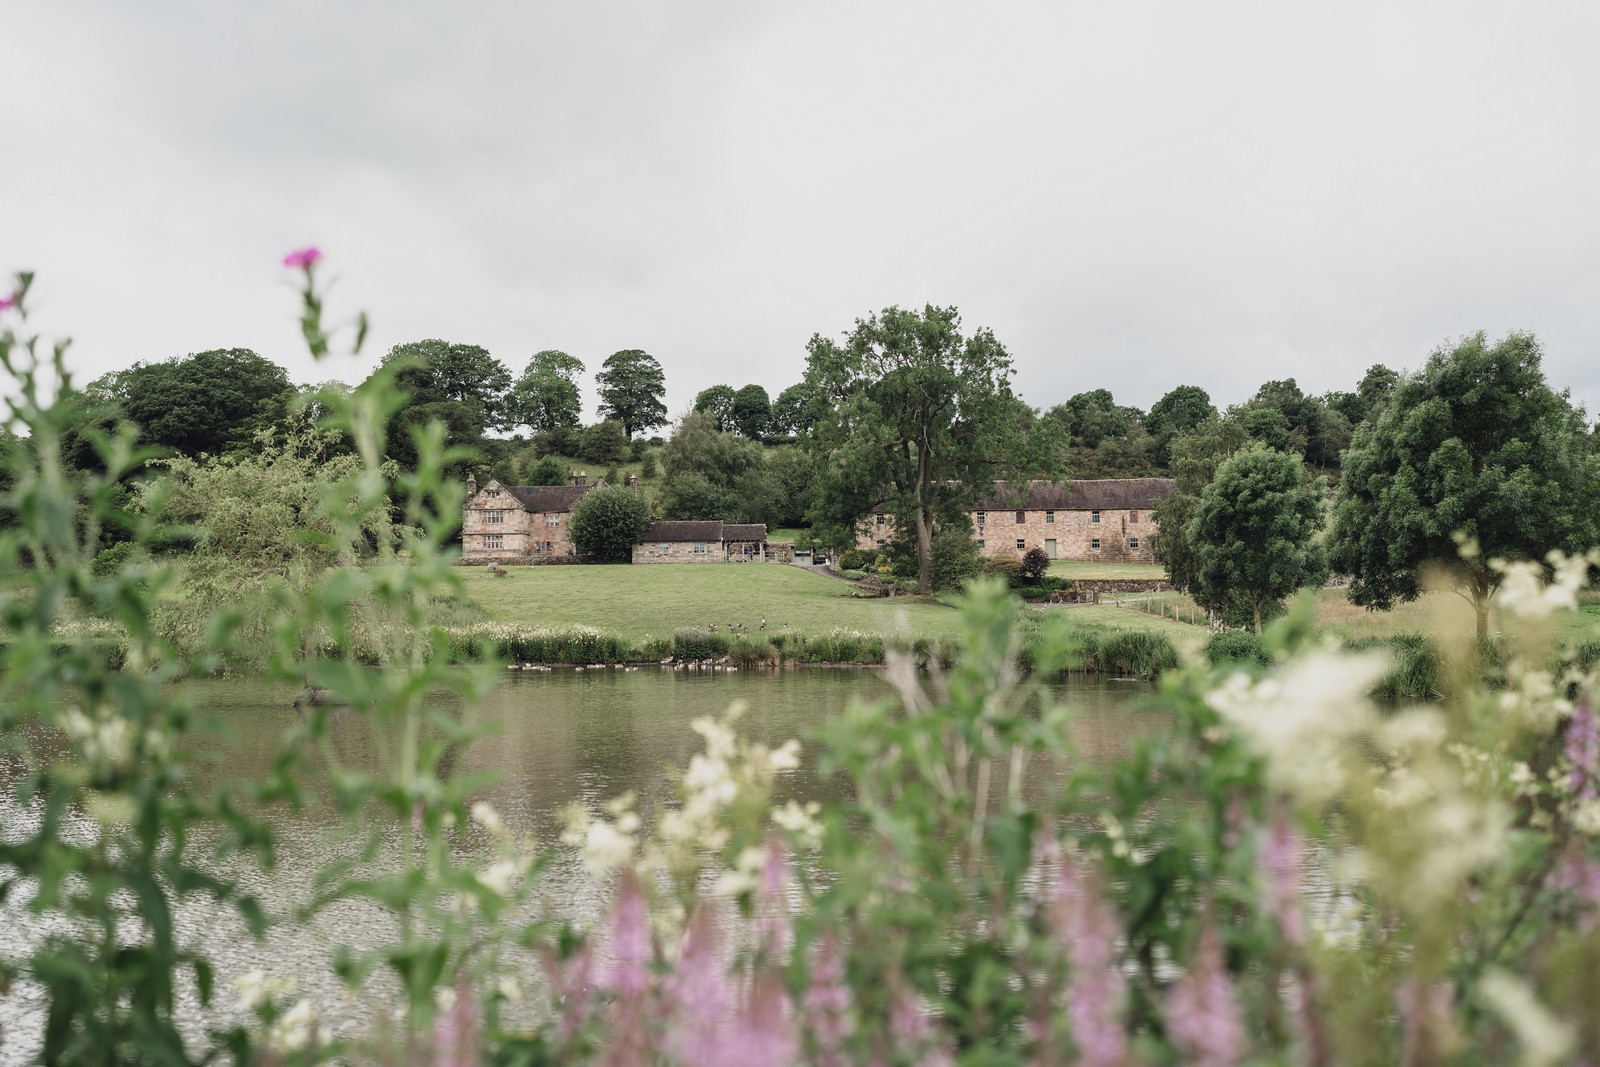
{"x":552,"y":738}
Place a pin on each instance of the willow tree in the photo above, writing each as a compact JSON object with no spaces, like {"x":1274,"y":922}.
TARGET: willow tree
{"x":915,"y":416}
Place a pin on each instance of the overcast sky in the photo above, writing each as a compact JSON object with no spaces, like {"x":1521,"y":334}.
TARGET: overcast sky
{"x":1131,"y":195}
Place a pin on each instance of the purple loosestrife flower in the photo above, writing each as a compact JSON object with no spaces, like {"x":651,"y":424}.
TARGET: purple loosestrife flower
{"x":911,"y":1031}
{"x":572,"y":983}
{"x":1278,"y":860}
{"x":1424,"y":1020}
{"x":828,"y":1016}
{"x":1087,"y":932}
{"x":1203,"y":1015}
{"x":774,"y":931}
{"x":455,"y":1033}
{"x":1583,"y":751}
{"x":700,"y":1000}
{"x":626,"y":972}
{"x":763,"y":1035}
{"x":303,"y":258}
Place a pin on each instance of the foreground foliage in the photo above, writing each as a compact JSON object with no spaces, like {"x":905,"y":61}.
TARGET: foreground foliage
{"x":1288,"y":873}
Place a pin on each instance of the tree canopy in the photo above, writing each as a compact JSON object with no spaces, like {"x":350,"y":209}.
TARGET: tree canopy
{"x":1475,"y":444}
{"x":792,"y":411}
{"x":1252,"y":536}
{"x":201,"y":403}
{"x":714,"y":475}
{"x":546,"y":395}
{"x":752,"y":412}
{"x":631,"y":386}
{"x":607,"y":522}
{"x":913,"y":414}
{"x":1179,"y":411}
{"x":717,"y":401}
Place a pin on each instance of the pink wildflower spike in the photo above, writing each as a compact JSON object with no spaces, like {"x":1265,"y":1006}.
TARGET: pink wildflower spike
{"x":763,"y":1032}
{"x":828,"y":1003}
{"x":1087,"y":931}
{"x":911,"y":1030}
{"x":455,"y":1034}
{"x":1278,"y":860}
{"x":572,"y":984}
{"x":1424,"y":1020}
{"x":774,"y":931}
{"x":627,"y":971}
{"x":303,"y":258}
{"x":699,"y":1000}
{"x":1203,"y":1015}
{"x":1583,"y":751}
{"x":8,"y":302}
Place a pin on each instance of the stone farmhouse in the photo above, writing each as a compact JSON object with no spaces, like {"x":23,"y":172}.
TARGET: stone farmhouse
{"x":1110,"y":519}
{"x":513,"y":523}
{"x":712,"y":541}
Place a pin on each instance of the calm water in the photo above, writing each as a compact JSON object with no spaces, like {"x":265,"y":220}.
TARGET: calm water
{"x":553,"y":739}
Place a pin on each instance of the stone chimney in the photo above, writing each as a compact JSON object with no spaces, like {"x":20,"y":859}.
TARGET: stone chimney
{"x":472,"y":486}
{"x":579,"y":478}
{"x":633,"y":481}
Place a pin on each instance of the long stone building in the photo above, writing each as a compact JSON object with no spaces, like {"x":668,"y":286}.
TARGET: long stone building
{"x":516,"y":522}
{"x":702,"y":541}
{"x":1110,"y":519}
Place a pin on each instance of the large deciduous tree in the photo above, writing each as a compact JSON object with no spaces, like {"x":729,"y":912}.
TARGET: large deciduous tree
{"x":460,"y":386}
{"x":913,"y":414}
{"x":201,"y":403}
{"x":607,"y":522}
{"x":1252,"y":536}
{"x":752,"y":412}
{"x":1176,"y":413}
{"x":631,"y":386}
{"x":717,"y":401}
{"x":714,"y":475}
{"x":1195,"y":457}
{"x":1475,"y":444}
{"x":546,"y":397}
{"x":792,"y":411}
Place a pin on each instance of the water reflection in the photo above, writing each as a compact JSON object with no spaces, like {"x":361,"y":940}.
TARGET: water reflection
{"x":553,"y":738}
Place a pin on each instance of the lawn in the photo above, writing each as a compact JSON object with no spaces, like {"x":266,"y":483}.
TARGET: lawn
{"x":1069,"y":568}
{"x":652,"y":601}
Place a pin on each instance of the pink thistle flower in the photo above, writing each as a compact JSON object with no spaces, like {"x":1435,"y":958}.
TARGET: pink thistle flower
{"x":627,"y":970}
{"x":1583,"y":751}
{"x":1203,"y":1015}
{"x":9,"y":302}
{"x":455,"y":1034}
{"x":828,"y":1016}
{"x":1278,"y":860}
{"x":1087,"y":930}
{"x":303,"y":258}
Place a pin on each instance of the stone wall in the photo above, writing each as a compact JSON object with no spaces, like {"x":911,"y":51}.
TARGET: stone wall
{"x":1074,"y":534}
{"x":679,"y":552}
{"x":521,"y":533}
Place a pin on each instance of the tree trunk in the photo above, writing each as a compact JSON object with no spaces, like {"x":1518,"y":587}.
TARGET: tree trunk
{"x":1480,"y":605}
{"x":1258,"y":617}
{"x":924,"y":550}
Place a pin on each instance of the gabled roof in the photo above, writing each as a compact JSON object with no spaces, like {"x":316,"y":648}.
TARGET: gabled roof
{"x":744,"y":531}
{"x":545,"y":497}
{"x":699,"y":530}
{"x":1099,"y":494}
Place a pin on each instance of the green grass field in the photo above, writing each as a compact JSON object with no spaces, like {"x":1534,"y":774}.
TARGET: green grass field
{"x":645,"y":601}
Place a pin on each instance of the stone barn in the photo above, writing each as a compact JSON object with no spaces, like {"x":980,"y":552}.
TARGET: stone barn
{"x":1108,"y":519}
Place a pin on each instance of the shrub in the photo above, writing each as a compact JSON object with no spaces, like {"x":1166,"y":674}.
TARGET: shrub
{"x":1004,"y":567}
{"x":1237,"y":646}
{"x":853,"y":559}
{"x":697,"y":643}
{"x":952,"y":559}
{"x":1035,"y":564}
{"x":607,"y":522}
{"x":549,"y":471}
{"x":647,"y":466}
{"x":636,"y":449}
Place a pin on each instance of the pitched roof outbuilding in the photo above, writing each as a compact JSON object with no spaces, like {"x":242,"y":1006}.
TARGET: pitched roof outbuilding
{"x":698,"y":530}
{"x":744,"y":531}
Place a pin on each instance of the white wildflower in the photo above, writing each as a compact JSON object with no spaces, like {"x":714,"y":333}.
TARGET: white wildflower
{"x":497,"y":877}
{"x":605,"y":848}
{"x":292,"y":1032}
{"x":1544,"y":1038}
{"x":485,"y":816}
{"x":250,"y":989}
{"x":744,"y":875}
{"x":509,"y":990}
{"x":1586,"y":818}
{"x":786,"y":757}
{"x":800,"y":820}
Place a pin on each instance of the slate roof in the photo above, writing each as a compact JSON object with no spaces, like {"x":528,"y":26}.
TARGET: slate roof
{"x":548,"y":497}
{"x":698,"y":530}
{"x":743,"y":531}
{"x":1098,"y":494}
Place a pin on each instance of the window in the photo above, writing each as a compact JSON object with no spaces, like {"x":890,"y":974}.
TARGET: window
{"x":663,"y":547}
{"x":494,"y":517}
{"x":1049,"y":516}
{"x":494,"y":541}
{"x":1133,"y":543}
{"x":552,"y":519}
{"x":981,"y":517}
{"x":1022,"y":517}
{"x":1094,"y":518}
{"x":879,"y":542}
{"x":1021,"y":544}
{"x":980,"y":544}
{"x":699,"y":548}
{"x":880,"y":520}
{"x":546,"y":547}
{"x":1094,"y":542}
